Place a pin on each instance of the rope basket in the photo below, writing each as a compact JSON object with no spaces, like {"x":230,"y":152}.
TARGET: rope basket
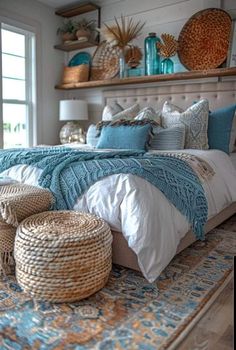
{"x":20,"y":201}
{"x":17,"y":202}
{"x":7,"y":237}
{"x":63,"y":256}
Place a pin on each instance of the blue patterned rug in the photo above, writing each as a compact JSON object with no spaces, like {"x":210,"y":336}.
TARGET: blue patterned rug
{"x":129,"y":313}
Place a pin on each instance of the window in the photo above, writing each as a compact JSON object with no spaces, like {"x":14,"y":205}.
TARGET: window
{"x":18,"y":87}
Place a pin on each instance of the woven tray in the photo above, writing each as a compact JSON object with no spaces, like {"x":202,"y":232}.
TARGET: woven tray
{"x":204,"y":39}
{"x":105,"y":62}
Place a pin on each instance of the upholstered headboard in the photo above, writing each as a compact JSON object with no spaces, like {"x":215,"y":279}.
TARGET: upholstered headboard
{"x":219,"y":94}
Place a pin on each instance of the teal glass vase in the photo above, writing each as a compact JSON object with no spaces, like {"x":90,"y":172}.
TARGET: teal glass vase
{"x":167,"y":66}
{"x":122,"y":65}
{"x":152,"y":58}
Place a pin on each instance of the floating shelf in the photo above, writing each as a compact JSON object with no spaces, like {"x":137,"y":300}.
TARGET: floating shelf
{"x":77,"y":9}
{"x":76,"y":45}
{"x":218,"y":72}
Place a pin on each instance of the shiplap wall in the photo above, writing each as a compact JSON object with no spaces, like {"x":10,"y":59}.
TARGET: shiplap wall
{"x":159,"y":16}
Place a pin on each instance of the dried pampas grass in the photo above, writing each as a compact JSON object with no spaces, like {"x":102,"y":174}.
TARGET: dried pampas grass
{"x":121,"y":34}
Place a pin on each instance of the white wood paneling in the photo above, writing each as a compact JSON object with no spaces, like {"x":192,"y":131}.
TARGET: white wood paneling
{"x":161,"y":16}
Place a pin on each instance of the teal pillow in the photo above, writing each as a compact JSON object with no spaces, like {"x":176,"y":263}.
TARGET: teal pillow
{"x":219,"y":128}
{"x":125,"y":137}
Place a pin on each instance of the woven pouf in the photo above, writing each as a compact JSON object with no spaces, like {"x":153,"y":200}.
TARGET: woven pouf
{"x":62,"y":256}
{"x":7,"y":237}
{"x":17,"y":202}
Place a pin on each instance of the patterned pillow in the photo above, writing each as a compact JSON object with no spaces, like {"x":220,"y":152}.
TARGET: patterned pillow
{"x":92,"y":136}
{"x":168,"y":139}
{"x":128,"y":113}
{"x":149,"y":113}
{"x":195,"y":120}
{"x":114,"y":123}
{"x":111,"y":110}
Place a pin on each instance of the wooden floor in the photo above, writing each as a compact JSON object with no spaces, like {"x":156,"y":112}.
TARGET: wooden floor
{"x":215,"y":330}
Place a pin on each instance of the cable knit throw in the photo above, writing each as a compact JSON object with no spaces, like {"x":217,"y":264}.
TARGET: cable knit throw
{"x":68,"y":173}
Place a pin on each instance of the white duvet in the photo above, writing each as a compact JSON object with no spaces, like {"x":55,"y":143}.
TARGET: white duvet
{"x":152,"y":226}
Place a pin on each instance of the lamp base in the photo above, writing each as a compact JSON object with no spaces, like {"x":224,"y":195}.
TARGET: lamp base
{"x":72,"y":132}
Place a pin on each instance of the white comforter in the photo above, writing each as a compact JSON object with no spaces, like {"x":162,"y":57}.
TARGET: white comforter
{"x":152,"y":226}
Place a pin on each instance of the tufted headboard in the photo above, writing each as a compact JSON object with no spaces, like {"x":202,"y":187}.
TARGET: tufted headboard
{"x":219,"y":94}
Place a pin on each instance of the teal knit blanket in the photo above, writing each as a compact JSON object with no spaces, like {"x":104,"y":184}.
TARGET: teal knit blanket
{"x":68,"y":173}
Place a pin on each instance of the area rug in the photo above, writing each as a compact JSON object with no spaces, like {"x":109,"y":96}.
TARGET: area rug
{"x":129,"y":313}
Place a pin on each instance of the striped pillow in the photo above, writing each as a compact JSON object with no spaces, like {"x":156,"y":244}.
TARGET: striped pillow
{"x":172,"y":138}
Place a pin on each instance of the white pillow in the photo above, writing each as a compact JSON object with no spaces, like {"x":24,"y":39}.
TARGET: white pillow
{"x":195,"y":120}
{"x":111,"y":110}
{"x":128,"y":113}
{"x":149,"y":113}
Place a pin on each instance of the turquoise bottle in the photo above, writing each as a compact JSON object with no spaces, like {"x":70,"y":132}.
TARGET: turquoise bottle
{"x":152,"y":58}
{"x":167,"y":66}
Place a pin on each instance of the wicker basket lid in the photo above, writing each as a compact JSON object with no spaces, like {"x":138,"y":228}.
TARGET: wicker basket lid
{"x":204,"y":39}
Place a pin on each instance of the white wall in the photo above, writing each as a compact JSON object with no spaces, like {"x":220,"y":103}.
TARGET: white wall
{"x":49,"y":62}
{"x":160,"y":16}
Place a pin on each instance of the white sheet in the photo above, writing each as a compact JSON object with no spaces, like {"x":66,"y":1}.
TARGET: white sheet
{"x":151,"y":225}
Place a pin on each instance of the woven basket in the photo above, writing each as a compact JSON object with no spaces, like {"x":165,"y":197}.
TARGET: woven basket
{"x":63,"y":256}
{"x":105,"y":63}
{"x":7,"y":237}
{"x":204,"y":40}
{"x":17,"y":202}
{"x":76,"y":74}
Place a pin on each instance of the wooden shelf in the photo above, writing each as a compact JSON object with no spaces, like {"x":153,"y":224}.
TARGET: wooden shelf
{"x":77,"y":9}
{"x":76,"y":45}
{"x":218,"y":72}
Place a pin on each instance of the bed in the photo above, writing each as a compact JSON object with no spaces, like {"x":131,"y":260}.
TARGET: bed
{"x":148,"y":242}
{"x":219,"y":94}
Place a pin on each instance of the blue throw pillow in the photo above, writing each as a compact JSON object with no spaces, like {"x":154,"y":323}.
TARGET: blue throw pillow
{"x":219,"y":128}
{"x":125,"y":137}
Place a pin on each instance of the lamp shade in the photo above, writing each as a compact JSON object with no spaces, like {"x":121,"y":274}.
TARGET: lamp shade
{"x":73,"y":110}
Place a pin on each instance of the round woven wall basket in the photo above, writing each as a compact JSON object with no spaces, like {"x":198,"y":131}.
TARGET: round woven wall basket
{"x":62,"y":256}
{"x":204,"y":39}
{"x":105,"y":62}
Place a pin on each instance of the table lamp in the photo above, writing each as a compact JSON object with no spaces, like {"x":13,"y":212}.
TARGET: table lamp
{"x":71,"y":111}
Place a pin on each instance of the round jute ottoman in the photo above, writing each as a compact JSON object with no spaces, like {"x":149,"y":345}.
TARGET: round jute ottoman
{"x":17,"y":202}
{"x":62,"y":256}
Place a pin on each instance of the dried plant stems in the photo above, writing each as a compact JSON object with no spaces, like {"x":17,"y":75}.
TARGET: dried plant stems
{"x":169,"y":46}
{"x":124,"y":32}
